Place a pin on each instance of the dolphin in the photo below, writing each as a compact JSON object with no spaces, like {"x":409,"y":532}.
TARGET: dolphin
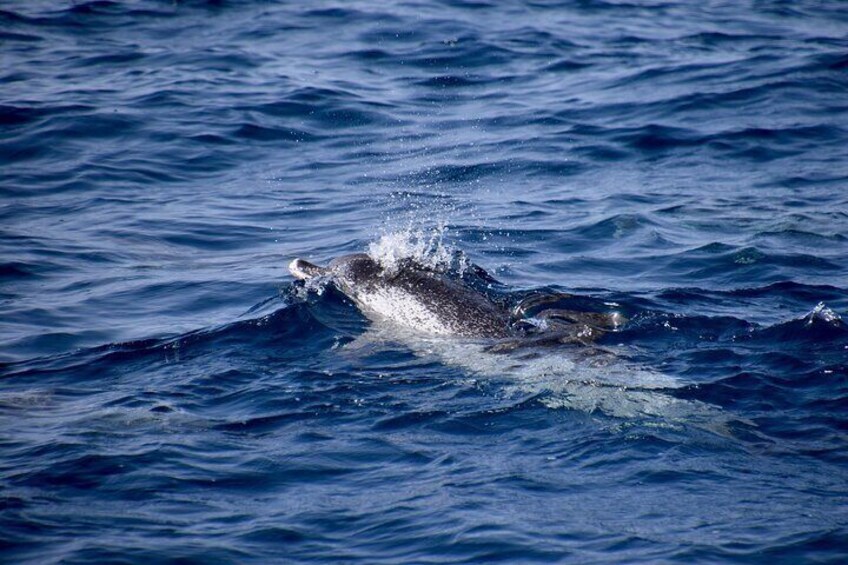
{"x":432,"y":302}
{"x":508,"y":340}
{"x":412,"y":296}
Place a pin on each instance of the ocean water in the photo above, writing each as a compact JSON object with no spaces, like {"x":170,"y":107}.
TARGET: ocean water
{"x":168,"y":393}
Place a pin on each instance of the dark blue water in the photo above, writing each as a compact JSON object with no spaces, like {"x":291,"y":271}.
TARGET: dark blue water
{"x":168,"y":394}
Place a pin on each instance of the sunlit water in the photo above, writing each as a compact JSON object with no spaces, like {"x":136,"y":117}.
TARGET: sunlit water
{"x":169,"y":393}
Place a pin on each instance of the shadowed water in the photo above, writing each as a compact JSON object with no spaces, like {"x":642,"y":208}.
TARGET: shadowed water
{"x":168,"y":393}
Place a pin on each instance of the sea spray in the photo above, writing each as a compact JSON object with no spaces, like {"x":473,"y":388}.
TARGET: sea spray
{"x":426,"y":247}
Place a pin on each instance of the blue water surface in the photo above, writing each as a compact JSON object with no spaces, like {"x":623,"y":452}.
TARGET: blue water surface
{"x":168,"y":394}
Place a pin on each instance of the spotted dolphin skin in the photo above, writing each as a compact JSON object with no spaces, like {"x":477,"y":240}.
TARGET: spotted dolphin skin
{"x":432,"y":302}
{"x":414,"y":296}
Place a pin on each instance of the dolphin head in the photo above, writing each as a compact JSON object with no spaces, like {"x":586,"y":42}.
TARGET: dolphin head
{"x":355,"y":275}
{"x":357,"y":268}
{"x":349,"y":270}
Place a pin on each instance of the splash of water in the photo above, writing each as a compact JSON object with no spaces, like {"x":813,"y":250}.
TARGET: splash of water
{"x":823,"y":313}
{"x":311,"y":286}
{"x":426,"y":247}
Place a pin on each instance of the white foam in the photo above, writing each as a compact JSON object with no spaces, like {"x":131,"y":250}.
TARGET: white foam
{"x":822,"y":312}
